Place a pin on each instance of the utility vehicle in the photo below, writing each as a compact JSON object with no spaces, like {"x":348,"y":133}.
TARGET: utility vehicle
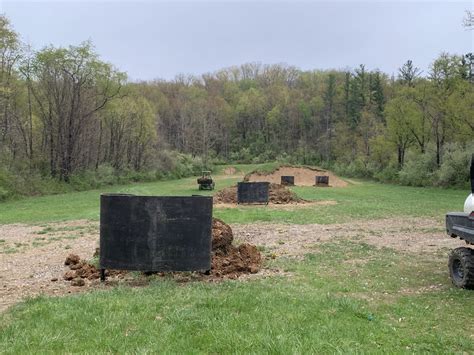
{"x":205,"y":182}
{"x":461,"y":225}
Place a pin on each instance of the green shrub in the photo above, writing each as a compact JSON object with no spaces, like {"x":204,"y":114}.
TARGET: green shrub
{"x":387,"y":174}
{"x":419,"y":169}
{"x":4,"y":194}
{"x":357,"y":168}
{"x":454,"y":170}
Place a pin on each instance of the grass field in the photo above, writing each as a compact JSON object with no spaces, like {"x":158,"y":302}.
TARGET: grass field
{"x":366,"y":200}
{"x":343,"y":295}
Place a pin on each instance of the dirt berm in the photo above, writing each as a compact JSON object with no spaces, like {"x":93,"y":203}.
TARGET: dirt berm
{"x":228,"y":261}
{"x":278,"y":194}
{"x":304,"y":176}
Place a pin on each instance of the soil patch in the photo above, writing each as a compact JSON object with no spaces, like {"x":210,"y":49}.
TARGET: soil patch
{"x":419,"y":236}
{"x":304,"y":176}
{"x":36,"y":267}
{"x":277,"y":194}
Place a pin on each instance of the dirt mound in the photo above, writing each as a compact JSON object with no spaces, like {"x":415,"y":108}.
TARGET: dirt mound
{"x":81,"y":269}
{"x":280,"y":194}
{"x":72,"y":259}
{"x":230,"y":170}
{"x":277,"y":194}
{"x":227,"y":195}
{"x":222,"y":236}
{"x":304,"y":176}
{"x":229,"y":260}
{"x":243,"y":259}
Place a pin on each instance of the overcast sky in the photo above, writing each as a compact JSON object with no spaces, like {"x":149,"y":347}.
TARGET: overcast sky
{"x":158,"y":39}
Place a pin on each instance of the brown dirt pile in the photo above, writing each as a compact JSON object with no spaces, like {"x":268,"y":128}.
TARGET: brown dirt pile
{"x":227,"y":195}
{"x":278,"y":194}
{"x":304,"y":176}
{"x":230,"y":170}
{"x":229,"y":260}
{"x":81,"y":270}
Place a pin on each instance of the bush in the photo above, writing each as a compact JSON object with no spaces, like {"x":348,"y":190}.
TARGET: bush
{"x":387,"y":174}
{"x":356,"y":168}
{"x":454,"y":170}
{"x":419,"y":169}
{"x":171,"y":164}
{"x":4,"y":194}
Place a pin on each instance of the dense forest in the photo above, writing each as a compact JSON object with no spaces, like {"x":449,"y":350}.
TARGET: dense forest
{"x":67,"y":118}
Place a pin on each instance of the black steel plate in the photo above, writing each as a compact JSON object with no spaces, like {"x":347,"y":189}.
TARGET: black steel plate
{"x":252,"y":192}
{"x":288,"y":180}
{"x":151,"y":233}
{"x":322,"y":180}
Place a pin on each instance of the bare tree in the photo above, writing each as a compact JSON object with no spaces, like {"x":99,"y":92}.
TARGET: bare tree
{"x":69,"y":87}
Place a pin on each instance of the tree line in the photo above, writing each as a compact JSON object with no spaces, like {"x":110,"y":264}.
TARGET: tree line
{"x":64,"y":111}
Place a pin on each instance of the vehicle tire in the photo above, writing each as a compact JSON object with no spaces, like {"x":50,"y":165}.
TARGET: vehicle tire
{"x":461,"y":267}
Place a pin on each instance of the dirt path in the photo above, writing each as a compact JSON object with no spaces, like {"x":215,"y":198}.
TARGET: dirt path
{"x":32,"y":256}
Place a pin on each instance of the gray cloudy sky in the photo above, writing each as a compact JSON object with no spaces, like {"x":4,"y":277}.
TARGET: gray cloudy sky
{"x":159,"y":39}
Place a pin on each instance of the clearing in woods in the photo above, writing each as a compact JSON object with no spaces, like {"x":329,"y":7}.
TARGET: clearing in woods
{"x":366,"y":273}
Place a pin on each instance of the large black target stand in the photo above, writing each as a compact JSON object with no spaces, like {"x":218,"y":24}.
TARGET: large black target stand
{"x":155,"y":233}
{"x":253,"y":192}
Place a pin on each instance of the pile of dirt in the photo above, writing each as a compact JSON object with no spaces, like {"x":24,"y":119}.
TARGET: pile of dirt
{"x":230,"y":170}
{"x":277,"y":194}
{"x":226,"y":195}
{"x":222,"y":236}
{"x":80,"y":270}
{"x":304,"y":176}
{"x":229,"y":260}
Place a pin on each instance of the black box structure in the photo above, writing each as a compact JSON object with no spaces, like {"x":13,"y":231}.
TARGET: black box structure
{"x":253,"y":192}
{"x":322,"y":180}
{"x":155,"y":233}
{"x":288,"y":180}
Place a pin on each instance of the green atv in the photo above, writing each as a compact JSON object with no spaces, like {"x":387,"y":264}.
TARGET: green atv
{"x":205,"y":182}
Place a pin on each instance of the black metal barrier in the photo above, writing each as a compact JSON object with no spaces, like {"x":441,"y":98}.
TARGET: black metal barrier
{"x":288,"y":180}
{"x":252,"y":192}
{"x":151,"y":233}
{"x":322,"y":180}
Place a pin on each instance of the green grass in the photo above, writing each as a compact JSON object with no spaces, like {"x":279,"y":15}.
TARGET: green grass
{"x":85,"y":205}
{"x":365,"y":200}
{"x":344,"y":296}
{"x":325,"y":305}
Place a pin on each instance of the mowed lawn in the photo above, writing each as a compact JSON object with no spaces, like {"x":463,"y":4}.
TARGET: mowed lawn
{"x":361,"y":200}
{"x":342,"y":296}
